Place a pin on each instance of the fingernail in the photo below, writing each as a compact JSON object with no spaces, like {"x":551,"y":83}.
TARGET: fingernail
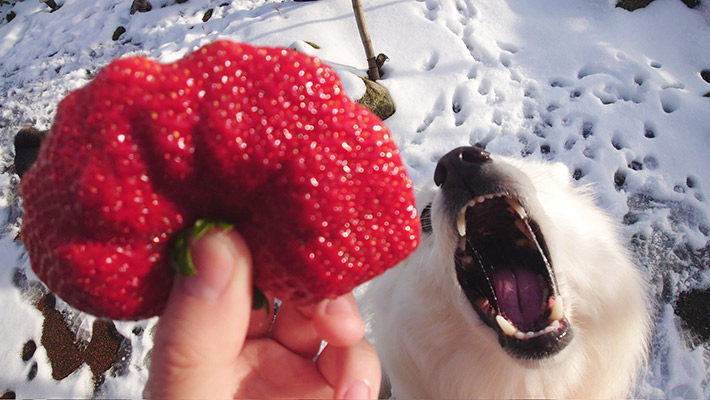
{"x":214,"y":260}
{"x":358,"y":390}
{"x":338,"y":306}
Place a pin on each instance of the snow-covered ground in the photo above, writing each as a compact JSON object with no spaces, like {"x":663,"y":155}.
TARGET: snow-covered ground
{"x":616,"y":96}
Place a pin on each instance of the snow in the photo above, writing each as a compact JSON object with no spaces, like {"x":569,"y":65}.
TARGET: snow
{"x":614,"y":95}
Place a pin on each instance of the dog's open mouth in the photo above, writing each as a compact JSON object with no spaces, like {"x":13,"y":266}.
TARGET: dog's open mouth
{"x":503,"y":265}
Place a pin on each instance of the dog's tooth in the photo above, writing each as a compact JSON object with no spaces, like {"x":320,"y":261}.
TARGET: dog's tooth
{"x":519,"y":335}
{"x":506,"y":326}
{"x":515,"y":205}
{"x":558,"y":310}
{"x":524,"y":229}
{"x":461,"y":223}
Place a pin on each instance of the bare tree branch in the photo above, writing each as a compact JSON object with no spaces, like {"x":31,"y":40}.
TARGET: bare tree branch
{"x":373,"y":72}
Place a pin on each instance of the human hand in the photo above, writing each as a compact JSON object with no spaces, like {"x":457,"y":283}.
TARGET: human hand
{"x":209,"y":342}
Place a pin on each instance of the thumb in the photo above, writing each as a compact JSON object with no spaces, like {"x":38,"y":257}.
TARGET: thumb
{"x":202,"y":330}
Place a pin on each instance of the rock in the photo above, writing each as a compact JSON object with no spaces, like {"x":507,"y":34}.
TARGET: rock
{"x":692,"y":308}
{"x":315,"y":46}
{"x":140,"y":6}
{"x":691,"y":3}
{"x":118,"y":32}
{"x":28,"y":350}
{"x":305,"y":47}
{"x":27,"y":142}
{"x":632,"y":5}
{"x":207,"y":15}
{"x":705,"y":74}
{"x":377,"y":99}
{"x":51,"y":4}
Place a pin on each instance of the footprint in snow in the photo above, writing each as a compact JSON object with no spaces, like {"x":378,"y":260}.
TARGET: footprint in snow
{"x":670,"y":100}
{"x":466,"y":10}
{"x":560,"y":82}
{"x":484,"y":87}
{"x":507,"y":52}
{"x":649,"y":131}
{"x":506,"y":59}
{"x":508,"y":47}
{"x":473,"y":72}
{"x":569,"y":143}
{"x":432,"y":10}
{"x":587,"y":129}
{"x":431,"y":61}
{"x":650,"y":162}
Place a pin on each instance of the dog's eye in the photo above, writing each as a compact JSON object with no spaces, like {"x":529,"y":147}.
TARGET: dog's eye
{"x":425,"y":219}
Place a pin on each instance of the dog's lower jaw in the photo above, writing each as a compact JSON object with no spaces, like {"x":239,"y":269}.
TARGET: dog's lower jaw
{"x":429,"y":365}
{"x":443,"y":350}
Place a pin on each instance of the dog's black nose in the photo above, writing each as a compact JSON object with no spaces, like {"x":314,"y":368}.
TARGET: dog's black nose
{"x":459,"y":159}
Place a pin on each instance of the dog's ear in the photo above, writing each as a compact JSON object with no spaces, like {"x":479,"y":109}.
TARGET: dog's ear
{"x":27,"y":143}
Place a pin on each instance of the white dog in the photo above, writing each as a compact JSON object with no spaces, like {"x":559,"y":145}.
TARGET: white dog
{"x":520,"y":288}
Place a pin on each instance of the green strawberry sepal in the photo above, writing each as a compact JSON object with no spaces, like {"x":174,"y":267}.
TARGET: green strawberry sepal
{"x":181,"y":255}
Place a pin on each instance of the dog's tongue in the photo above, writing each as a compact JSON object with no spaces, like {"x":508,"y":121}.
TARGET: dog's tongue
{"x":519,"y":292}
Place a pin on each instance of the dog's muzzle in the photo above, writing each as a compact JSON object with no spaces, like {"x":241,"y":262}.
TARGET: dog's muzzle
{"x":502,"y":260}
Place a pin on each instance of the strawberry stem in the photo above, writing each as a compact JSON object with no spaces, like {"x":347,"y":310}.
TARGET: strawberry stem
{"x":181,"y":254}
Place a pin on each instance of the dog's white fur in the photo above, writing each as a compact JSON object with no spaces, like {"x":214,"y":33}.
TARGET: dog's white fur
{"x":433,"y":345}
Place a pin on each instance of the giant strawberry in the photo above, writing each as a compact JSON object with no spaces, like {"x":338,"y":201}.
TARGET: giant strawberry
{"x":262,"y":138}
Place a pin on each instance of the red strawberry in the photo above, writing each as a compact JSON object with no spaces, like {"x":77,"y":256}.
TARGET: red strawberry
{"x":262,"y":138}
